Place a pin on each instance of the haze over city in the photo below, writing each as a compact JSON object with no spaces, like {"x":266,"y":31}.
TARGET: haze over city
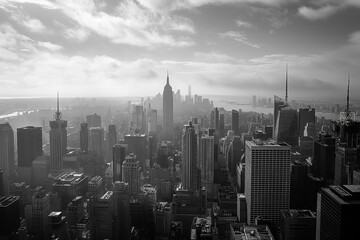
{"x":233,"y":47}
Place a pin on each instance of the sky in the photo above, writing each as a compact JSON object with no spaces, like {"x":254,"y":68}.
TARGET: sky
{"x":118,"y":48}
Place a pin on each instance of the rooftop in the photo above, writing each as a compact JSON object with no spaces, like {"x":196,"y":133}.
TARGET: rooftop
{"x":294,"y":213}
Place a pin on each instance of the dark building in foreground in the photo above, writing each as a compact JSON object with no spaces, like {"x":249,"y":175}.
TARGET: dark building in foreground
{"x":338,"y":212}
{"x":9,"y":215}
{"x":297,"y":224}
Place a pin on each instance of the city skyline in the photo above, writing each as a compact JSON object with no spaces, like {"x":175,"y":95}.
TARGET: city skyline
{"x":97,"y":48}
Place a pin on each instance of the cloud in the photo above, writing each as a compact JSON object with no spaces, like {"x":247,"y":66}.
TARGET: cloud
{"x":124,"y":22}
{"x":240,"y":37}
{"x":323,"y":9}
{"x":241,"y":23}
{"x":214,"y":57}
{"x":316,"y":14}
{"x":31,"y":24}
{"x":50,"y":46}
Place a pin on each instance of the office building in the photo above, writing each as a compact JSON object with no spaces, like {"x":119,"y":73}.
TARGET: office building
{"x":265,"y":194}
{"x":7,"y":155}
{"x":131,"y":173}
{"x":240,"y":231}
{"x":338,"y":212}
{"x":97,"y":143}
{"x":152,"y":122}
{"x":103,"y":216}
{"x":279,"y":104}
{"x":287,"y":126}
{"x":119,"y":154}
{"x":235,"y":122}
{"x":206,"y":163}
{"x":138,"y":120}
{"x":137,"y":145}
{"x":190,"y":178}
{"x":168,"y":114}
{"x":298,"y":185}
{"x":346,"y":159}
{"x":122,"y":220}
{"x":217,"y":118}
{"x":297,"y":224}
{"x":305,"y":116}
{"x":323,"y":163}
{"x":84,"y":137}
{"x":58,"y":228}
{"x":93,"y":120}
{"x":29,"y":145}
{"x":10,"y":215}
{"x":37,"y":213}
{"x":58,"y":140}
{"x":111,"y":140}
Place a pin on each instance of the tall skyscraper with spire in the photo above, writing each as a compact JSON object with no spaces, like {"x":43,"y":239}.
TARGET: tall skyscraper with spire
{"x":168,"y":111}
{"x":58,"y":139}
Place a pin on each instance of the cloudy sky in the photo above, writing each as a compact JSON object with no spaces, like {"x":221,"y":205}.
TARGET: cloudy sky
{"x":228,"y":47}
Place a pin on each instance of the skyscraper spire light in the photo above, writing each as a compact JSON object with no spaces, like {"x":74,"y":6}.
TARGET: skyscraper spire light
{"x":57,"y":113}
{"x":167,"y":77}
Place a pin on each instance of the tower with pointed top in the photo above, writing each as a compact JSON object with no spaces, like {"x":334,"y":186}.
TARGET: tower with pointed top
{"x":168,"y":111}
{"x":58,"y":139}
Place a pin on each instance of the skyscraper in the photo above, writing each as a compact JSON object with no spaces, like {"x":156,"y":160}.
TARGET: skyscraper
{"x":168,"y":111}
{"x":97,"y":141}
{"x":206,"y":163}
{"x":267,"y":179}
{"x":7,"y":158}
{"x":58,"y":140}
{"x":84,"y":137}
{"x":287,"y":126}
{"x":111,"y":140}
{"x":235,"y":121}
{"x":93,"y":120}
{"x":131,"y":173}
{"x":29,"y":145}
{"x":305,"y":115}
{"x":119,"y":154}
{"x":103,"y":216}
{"x":189,"y":158}
{"x":338,"y":212}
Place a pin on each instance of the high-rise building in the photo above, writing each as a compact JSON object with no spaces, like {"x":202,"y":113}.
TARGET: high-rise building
{"x":131,"y":173}
{"x":297,"y":224}
{"x":58,"y":140}
{"x":279,"y":104}
{"x":58,"y":227}
{"x":206,"y":163}
{"x":137,"y":145}
{"x":7,"y":154}
{"x":93,"y":120}
{"x":119,"y":154}
{"x":346,"y":159}
{"x":305,"y":115}
{"x":217,"y":118}
{"x":29,"y":145}
{"x":111,"y":141}
{"x":84,"y":137}
{"x":122,"y":210}
{"x":267,"y":179}
{"x":338,"y":212}
{"x":103,"y":216}
{"x":153,"y":121}
{"x":235,"y":155}
{"x":235,"y":121}
{"x":168,"y":111}
{"x":323,"y":163}
{"x":37,"y":213}
{"x":138,"y":118}
{"x":97,"y":142}
{"x":189,"y":158}
{"x":298,"y":186}
{"x":10,"y":215}
{"x":287,"y":127}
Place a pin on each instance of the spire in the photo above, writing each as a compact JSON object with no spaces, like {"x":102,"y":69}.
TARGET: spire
{"x":286,"y":86}
{"x":167,"y":78}
{"x":347,"y":96}
{"x":57,"y":113}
